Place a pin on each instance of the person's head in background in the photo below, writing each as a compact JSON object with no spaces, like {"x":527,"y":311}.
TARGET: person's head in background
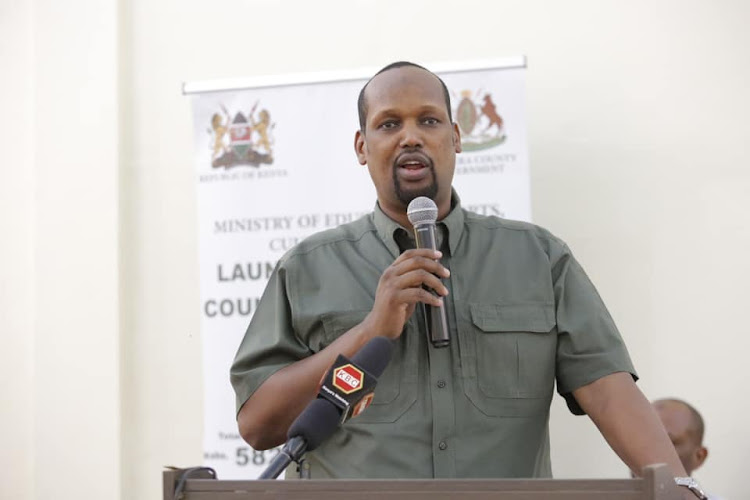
{"x":685,"y":428}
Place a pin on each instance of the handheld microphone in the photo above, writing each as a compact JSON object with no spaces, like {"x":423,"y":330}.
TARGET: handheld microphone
{"x":422,"y":213}
{"x":344,"y":394}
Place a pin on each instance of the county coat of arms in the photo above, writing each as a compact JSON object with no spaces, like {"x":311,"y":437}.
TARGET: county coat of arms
{"x":481,"y":125}
{"x":242,"y":139}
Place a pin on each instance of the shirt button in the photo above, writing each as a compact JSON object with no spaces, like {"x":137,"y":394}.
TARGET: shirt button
{"x":441,"y":383}
{"x":443,"y":445}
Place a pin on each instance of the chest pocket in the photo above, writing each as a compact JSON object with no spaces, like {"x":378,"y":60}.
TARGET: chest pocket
{"x":396,"y":391}
{"x":508,"y":358}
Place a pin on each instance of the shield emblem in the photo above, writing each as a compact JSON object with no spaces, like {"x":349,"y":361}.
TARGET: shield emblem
{"x":466,"y":115}
{"x":240,"y":135}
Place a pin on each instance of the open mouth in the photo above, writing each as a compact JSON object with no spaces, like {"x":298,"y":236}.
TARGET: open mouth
{"x":413,"y":165}
{"x":413,"y":162}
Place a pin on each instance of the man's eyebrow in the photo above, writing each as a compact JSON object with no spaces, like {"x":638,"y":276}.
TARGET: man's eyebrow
{"x":385,"y":112}
{"x":425,"y":108}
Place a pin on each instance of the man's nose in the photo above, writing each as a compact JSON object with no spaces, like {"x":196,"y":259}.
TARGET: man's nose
{"x":411,"y":136}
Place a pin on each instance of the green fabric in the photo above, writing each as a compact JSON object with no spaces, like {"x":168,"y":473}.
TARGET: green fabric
{"x":522,"y":315}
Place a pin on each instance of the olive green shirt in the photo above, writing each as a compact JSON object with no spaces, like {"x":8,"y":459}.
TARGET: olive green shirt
{"x":522,"y":315}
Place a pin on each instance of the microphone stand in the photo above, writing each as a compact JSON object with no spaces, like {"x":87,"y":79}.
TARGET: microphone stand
{"x":303,"y":469}
{"x":291,"y":452}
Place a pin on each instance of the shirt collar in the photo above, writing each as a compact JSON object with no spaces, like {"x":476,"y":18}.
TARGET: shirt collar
{"x":453,"y":223}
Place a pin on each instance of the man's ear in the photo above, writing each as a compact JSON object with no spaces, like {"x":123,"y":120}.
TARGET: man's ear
{"x":456,"y":138}
{"x":700,"y":456}
{"x":360,"y":147}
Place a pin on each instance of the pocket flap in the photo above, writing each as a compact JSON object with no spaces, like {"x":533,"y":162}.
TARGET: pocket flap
{"x":336,"y":324}
{"x":535,"y":317}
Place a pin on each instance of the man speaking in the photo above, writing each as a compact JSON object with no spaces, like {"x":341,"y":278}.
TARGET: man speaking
{"x":520,"y":311}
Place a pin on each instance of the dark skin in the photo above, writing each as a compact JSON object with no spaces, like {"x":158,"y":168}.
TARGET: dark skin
{"x":409,"y":146}
{"x":409,"y":143}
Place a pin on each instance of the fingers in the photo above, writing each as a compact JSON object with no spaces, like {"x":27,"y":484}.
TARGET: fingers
{"x":418,"y":278}
{"x":415,"y":276}
{"x":418,"y":252}
{"x":414,"y":295}
{"x":421,"y":258}
{"x":414,"y":269}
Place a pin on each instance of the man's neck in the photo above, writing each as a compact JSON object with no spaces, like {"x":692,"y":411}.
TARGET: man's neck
{"x":399,"y":215}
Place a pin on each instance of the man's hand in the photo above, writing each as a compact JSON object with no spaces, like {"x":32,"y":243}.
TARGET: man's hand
{"x":401,"y":287}
{"x":266,"y":416}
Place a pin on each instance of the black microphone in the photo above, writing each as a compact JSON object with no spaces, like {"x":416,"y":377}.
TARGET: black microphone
{"x":336,"y":402}
{"x":349,"y":384}
{"x":317,"y":422}
{"x":422,"y":213}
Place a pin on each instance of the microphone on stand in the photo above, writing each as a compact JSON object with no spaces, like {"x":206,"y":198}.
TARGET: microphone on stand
{"x":317,"y":422}
{"x":347,"y":390}
{"x":422,"y":213}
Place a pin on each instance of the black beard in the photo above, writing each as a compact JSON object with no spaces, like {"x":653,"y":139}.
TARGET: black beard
{"x":406,"y":197}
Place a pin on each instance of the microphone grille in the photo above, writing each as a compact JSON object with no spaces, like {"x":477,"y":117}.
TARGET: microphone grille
{"x":317,"y":422}
{"x":422,"y":210}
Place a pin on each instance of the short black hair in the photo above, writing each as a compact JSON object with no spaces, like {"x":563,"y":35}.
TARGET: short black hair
{"x":362,"y":103}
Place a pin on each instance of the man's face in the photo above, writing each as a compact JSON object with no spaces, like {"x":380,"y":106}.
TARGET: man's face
{"x":679,"y":425}
{"x":409,"y":144}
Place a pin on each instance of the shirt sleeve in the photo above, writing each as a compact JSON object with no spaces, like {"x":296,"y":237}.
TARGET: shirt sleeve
{"x":589,"y":345}
{"x":270,"y":342}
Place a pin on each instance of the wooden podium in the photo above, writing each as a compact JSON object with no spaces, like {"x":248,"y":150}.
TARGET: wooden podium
{"x":657,"y":484}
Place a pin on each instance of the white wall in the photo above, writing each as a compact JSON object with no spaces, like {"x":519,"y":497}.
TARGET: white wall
{"x":60,"y":377}
{"x":16,"y":251}
{"x":76,"y":336}
{"x":638,"y":137}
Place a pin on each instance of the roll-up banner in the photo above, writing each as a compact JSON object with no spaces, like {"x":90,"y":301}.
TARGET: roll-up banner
{"x":275,"y":162}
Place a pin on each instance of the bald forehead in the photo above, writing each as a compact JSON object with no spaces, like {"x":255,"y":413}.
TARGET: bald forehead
{"x":403,"y":76}
{"x":394,"y":81}
{"x":677,"y":415}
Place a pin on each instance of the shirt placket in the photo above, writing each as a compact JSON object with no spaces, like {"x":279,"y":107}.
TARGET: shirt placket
{"x":441,"y":380}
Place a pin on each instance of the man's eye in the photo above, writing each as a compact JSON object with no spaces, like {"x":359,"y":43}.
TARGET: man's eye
{"x":388,"y":125}
{"x":430,"y":121}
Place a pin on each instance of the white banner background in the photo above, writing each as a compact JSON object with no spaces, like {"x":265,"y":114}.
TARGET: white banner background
{"x":248,"y":216}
